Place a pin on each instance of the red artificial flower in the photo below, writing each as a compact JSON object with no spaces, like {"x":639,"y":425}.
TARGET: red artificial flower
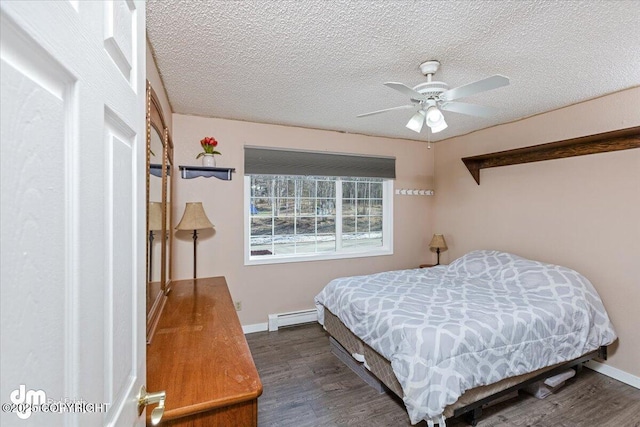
{"x":209,"y":145}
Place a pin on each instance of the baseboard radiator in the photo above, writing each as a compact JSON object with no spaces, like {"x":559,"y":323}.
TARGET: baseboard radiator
{"x":292,"y":318}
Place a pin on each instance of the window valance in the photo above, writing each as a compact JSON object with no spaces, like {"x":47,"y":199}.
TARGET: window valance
{"x":268,"y":161}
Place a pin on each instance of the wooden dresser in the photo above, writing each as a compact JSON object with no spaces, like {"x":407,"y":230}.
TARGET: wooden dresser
{"x":200,"y":357}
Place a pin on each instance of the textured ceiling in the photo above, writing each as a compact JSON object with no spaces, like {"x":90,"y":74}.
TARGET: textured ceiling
{"x":318,"y":64}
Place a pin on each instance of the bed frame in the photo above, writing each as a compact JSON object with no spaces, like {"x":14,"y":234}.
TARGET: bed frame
{"x":379,"y":375}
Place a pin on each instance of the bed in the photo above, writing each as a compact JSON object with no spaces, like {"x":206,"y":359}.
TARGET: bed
{"x":448,"y":337}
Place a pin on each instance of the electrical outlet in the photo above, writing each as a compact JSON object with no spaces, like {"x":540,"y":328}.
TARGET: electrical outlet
{"x":238,"y":305}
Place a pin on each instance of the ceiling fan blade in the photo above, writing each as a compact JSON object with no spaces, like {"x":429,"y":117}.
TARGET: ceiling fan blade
{"x":489,"y":83}
{"x":469,"y":109}
{"x":402,"y":107}
{"x":400,"y":87}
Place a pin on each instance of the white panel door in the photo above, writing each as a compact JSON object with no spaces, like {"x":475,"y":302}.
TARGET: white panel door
{"x":72,"y":212}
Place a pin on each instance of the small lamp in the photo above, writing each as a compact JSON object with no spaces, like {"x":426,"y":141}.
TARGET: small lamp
{"x":438,"y":243}
{"x":155,"y":224}
{"x":194,"y":218}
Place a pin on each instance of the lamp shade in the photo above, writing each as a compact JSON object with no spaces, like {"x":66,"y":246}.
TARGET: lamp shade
{"x":437,"y":242}
{"x":155,"y":216}
{"x":194,"y":218}
{"x":416,"y":122}
{"x":435,"y":119}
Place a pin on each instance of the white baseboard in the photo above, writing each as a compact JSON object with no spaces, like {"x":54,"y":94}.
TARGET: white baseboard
{"x":614,"y":373}
{"x":292,"y":318}
{"x":256,"y":327}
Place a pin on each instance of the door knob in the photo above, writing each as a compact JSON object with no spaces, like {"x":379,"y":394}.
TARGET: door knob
{"x":145,"y":398}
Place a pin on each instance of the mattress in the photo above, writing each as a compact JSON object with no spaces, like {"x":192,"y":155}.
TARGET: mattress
{"x":487,"y":317}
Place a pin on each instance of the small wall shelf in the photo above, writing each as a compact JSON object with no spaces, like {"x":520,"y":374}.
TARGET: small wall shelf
{"x":616,"y":140}
{"x":155,"y":169}
{"x":189,"y":172}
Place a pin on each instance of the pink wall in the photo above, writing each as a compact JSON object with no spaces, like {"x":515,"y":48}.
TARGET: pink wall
{"x":268,"y":289}
{"x":581,"y":212}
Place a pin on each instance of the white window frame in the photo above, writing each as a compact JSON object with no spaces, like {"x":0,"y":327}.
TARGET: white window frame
{"x":387,"y":232}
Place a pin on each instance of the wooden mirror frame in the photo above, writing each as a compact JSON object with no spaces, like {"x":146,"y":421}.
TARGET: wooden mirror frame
{"x":168,"y":179}
{"x":155,"y":120}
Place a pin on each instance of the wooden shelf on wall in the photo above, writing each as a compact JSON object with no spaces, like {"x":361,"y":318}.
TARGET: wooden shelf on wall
{"x":616,"y":140}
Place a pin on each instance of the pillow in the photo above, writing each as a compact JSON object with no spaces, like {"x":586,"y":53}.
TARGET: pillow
{"x":482,"y":264}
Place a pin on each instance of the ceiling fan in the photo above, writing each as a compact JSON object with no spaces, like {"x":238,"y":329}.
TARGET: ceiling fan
{"x":432,"y":96}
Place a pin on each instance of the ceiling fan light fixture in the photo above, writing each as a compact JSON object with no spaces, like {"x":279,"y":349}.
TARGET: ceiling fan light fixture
{"x":417,"y":121}
{"x":439,"y":127}
{"x":435,"y":119}
{"x":432,"y":97}
{"x":433,"y":114}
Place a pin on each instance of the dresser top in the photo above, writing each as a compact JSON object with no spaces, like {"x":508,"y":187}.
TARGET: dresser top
{"x":199,"y":354}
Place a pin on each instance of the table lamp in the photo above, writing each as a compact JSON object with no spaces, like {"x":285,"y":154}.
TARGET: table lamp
{"x":438,"y":243}
{"x":194,"y":218}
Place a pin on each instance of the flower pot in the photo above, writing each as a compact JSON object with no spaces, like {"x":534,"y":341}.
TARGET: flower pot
{"x":209,"y":160}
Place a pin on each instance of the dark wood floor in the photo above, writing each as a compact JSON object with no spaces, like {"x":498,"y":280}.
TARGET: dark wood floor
{"x":306,"y":385}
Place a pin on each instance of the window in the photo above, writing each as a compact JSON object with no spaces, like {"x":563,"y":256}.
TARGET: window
{"x":295,"y":218}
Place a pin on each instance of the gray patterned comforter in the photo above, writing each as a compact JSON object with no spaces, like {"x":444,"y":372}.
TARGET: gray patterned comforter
{"x":487,"y":316}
